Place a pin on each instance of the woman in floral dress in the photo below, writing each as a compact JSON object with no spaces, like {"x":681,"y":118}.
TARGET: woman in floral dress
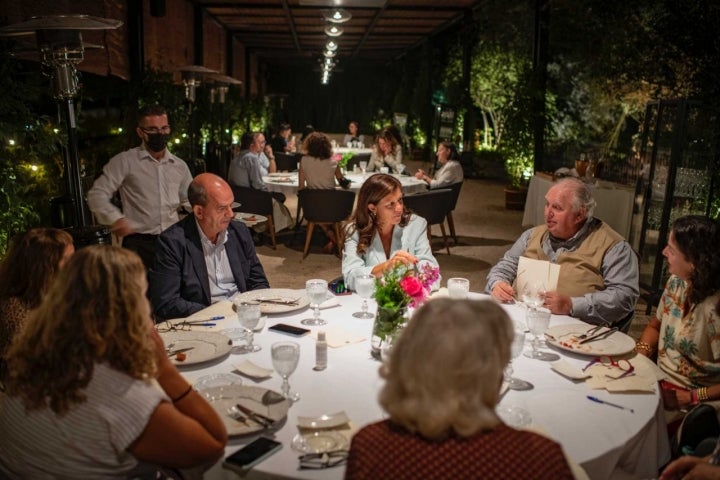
{"x":685,"y":336}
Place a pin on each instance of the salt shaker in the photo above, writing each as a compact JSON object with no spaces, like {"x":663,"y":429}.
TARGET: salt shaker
{"x":320,"y":352}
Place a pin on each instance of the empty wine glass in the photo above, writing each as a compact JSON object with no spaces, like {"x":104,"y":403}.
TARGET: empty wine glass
{"x":400,"y":168}
{"x":248,"y":315}
{"x":538,"y":320}
{"x":316,"y":290}
{"x":363,"y":165}
{"x":365,"y":287}
{"x":285,"y":357}
{"x":533,"y":294}
{"x":516,"y":349}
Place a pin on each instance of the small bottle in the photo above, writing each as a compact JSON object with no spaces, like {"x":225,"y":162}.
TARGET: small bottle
{"x":320,"y":352}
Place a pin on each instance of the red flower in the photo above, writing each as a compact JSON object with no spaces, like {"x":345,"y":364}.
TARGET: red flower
{"x":412,"y":286}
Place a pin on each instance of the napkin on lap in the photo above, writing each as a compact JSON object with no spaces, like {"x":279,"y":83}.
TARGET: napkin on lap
{"x":337,"y":337}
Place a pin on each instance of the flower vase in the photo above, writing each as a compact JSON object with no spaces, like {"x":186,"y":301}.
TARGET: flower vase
{"x":388,"y":323}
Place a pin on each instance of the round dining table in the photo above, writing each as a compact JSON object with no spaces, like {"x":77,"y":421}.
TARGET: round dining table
{"x":287,"y":183}
{"x":607,"y":442}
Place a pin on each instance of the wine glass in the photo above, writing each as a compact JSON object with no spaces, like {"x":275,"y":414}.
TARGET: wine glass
{"x":365,"y":287}
{"x":248,"y":315}
{"x":516,"y":349}
{"x":538,"y":320}
{"x":363,"y":165}
{"x":316,"y":290}
{"x":400,"y":168}
{"x":458,"y":287}
{"x":285,"y":357}
{"x":533,"y":294}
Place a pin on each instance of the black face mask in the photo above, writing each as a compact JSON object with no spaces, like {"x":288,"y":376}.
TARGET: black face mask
{"x":156,"y":142}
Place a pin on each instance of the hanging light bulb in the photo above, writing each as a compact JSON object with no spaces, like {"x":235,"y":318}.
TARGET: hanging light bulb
{"x":329,"y":54}
{"x":331,"y":46}
{"x":333,"y":31}
{"x":337,"y":15}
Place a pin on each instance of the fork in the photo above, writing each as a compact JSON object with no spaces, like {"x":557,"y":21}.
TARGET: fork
{"x":592,"y":331}
{"x":235,"y":414}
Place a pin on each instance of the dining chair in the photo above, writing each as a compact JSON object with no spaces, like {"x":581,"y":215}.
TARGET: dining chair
{"x":455,"y":187}
{"x":286,"y":162}
{"x":259,"y":202}
{"x":325,"y":207}
{"x":433,"y":206}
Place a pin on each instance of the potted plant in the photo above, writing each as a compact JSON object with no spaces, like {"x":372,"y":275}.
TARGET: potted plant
{"x":519,"y":167}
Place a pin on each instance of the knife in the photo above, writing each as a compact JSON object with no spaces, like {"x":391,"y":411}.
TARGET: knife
{"x":257,"y":417}
{"x":598,"y":336}
{"x":179,"y":350}
{"x":277,"y":302}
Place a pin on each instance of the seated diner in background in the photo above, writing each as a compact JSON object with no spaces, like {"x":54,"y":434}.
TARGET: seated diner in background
{"x":684,"y":335}
{"x":282,"y":141}
{"x":91,"y":392}
{"x":450,"y":171}
{"x":26,"y":271}
{"x":442,"y":384}
{"x":353,"y":138}
{"x":381,"y":234}
{"x":205,"y":257}
{"x":599,"y":277}
{"x":387,"y":152}
{"x":245,"y":169}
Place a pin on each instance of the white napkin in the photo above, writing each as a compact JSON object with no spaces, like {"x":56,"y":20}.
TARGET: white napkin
{"x":250,"y":369}
{"x":337,"y":337}
{"x":330,"y":303}
{"x":564,"y":368}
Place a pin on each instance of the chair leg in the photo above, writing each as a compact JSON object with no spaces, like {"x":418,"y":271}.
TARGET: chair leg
{"x":445,"y":241}
{"x":340,"y":244}
{"x":308,"y":237}
{"x":271,"y":229}
{"x":451,"y":224}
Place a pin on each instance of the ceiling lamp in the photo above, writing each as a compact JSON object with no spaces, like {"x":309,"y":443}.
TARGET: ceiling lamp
{"x":333,"y":31}
{"x":329,"y":54}
{"x":331,"y":46}
{"x":337,"y":15}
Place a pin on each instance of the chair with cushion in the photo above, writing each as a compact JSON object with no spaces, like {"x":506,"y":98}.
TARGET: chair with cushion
{"x":455,"y":187}
{"x":258,"y":202}
{"x":433,"y":206}
{"x":329,"y":207}
{"x":286,"y":162}
{"x":699,"y":424}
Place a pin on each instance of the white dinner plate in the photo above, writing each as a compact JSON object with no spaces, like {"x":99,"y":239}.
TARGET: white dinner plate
{"x":250,"y":218}
{"x":224,"y":397}
{"x":276,"y":293}
{"x":217,"y":380}
{"x":319,"y":442}
{"x":206,"y":346}
{"x":564,"y":337}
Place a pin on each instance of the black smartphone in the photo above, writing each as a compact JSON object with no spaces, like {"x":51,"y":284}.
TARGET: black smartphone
{"x":251,"y":454}
{"x":289,"y":329}
{"x":338,"y":287}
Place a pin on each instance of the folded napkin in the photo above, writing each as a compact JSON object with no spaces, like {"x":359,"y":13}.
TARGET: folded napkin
{"x":330,"y":303}
{"x":249,"y":369}
{"x":570,"y":371}
{"x":643,"y":380}
{"x":337,"y":337}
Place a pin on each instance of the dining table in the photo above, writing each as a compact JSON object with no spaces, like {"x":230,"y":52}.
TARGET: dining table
{"x":607,"y":442}
{"x":287,"y":183}
{"x":615,"y":203}
{"x":356,"y":151}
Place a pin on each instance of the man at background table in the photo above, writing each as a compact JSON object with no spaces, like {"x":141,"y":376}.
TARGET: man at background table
{"x":151,"y":181}
{"x":599,"y":277}
{"x":245,"y":169}
{"x":206,"y":257}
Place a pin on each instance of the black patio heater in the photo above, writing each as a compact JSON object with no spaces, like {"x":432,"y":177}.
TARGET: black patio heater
{"x":220,"y":85}
{"x":192,"y":77}
{"x":61,"y":48}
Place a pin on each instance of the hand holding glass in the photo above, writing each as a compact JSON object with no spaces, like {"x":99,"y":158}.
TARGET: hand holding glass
{"x":365,"y":287}
{"x":285,"y":357}
{"x":316,"y":290}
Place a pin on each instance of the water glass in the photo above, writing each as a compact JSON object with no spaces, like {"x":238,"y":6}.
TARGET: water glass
{"x":316,"y":290}
{"x":538,"y":320}
{"x":458,"y":287}
{"x":400,"y":168}
{"x":363,"y":166}
{"x":384,"y":170}
{"x":516,"y":349}
{"x":248,"y":315}
{"x":533,"y":294}
{"x":365,"y":287}
{"x":285,"y":358}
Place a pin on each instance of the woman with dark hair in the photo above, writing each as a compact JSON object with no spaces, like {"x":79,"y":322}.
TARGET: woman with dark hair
{"x":387,"y":152}
{"x":27,"y":269}
{"x":442,"y":384}
{"x":91,"y":392}
{"x":381,"y":233}
{"x":353,"y":136}
{"x":685,"y":336}
{"x":450,"y":170}
{"x":319,"y":171}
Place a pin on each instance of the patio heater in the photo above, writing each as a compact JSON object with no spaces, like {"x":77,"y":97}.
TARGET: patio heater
{"x":220,"y":85}
{"x":61,"y":48}
{"x":192,"y":77}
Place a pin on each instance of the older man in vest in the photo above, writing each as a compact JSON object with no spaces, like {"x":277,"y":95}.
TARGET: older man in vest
{"x":599,"y":278}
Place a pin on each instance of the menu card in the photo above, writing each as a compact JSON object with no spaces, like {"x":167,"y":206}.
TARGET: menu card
{"x":531,"y":271}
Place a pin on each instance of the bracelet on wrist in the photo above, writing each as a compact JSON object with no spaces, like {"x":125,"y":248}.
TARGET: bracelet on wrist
{"x":702,"y":394}
{"x":644,"y":346}
{"x":182,"y":395}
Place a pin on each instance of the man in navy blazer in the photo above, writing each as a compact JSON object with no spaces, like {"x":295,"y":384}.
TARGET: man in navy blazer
{"x":205,"y":257}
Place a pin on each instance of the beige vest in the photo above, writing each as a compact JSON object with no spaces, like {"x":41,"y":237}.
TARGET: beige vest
{"x":580,"y":269}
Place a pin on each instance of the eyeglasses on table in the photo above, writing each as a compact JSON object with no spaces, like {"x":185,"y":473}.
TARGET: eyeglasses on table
{"x":609,"y":362}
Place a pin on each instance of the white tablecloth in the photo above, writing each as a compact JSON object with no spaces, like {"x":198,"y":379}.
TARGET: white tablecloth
{"x":356,"y":151}
{"x":605,"y":441}
{"x":614,"y":204}
{"x":409,"y":183}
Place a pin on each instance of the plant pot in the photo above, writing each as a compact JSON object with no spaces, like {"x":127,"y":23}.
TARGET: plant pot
{"x":515,"y":198}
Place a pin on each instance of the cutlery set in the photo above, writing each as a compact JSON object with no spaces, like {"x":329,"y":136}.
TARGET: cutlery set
{"x":594,"y":334}
{"x":277,"y":301}
{"x":242,"y":413}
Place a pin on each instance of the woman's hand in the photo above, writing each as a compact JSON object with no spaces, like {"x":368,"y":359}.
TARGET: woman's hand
{"x":401,"y":257}
{"x":420,"y":174}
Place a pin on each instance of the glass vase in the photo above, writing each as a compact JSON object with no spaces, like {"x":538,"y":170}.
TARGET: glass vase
{"x":387,"y":324}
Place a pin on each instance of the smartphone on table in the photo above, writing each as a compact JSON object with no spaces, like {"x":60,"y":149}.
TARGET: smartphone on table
{"x":251,"y":454}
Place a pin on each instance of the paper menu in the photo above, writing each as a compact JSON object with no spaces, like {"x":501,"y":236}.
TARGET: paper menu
{"x":531,"y":270}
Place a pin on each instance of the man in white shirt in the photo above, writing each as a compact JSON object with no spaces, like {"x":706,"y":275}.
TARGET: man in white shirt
{"x":152,"y":184}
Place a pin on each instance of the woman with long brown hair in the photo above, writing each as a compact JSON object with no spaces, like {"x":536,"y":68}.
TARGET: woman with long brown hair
{"x":91,"y":392}
{"x":387,"y":152}
{"x":382,"y":233}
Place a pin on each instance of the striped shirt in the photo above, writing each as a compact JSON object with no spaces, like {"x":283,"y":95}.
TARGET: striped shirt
{"x":220,"y":275}
{"x":90,"y":441}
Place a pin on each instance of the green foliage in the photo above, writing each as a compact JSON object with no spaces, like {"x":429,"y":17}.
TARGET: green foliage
{"x":388,"y":292}
{"x":345,"y":159}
